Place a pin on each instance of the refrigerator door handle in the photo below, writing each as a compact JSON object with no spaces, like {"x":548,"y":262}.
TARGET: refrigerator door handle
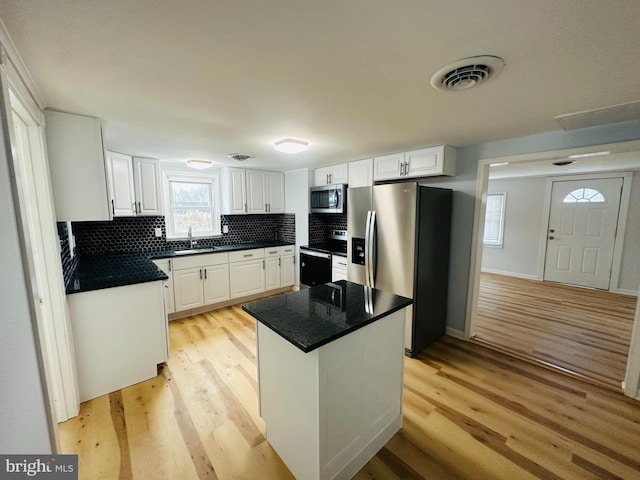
{"x":372,"y":250}
{"x":367,"y":248}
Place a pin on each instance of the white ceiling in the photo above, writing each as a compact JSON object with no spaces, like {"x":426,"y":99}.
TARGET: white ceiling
{"x":177,"y":79}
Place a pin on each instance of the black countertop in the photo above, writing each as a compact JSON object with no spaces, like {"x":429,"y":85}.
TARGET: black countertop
{"x":117,"y":270}
{"x":318,"y":315}
{"x":107,"y":271}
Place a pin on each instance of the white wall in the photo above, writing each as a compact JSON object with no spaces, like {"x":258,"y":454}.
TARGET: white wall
{"x":523,"y":217}
{"x":296,"y":201}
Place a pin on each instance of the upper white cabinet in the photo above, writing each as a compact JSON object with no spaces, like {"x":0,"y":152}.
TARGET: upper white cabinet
{"x":77,"y":166}
{"x":425,"y":162}
{"x":134,"y":185}
{"x":361,"y":173}
{"x":331,"y":175}
{"x":252,"y":191}
{"x":147,"y":185}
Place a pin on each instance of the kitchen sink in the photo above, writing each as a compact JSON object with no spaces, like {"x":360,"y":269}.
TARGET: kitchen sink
{"x":195,"y":250}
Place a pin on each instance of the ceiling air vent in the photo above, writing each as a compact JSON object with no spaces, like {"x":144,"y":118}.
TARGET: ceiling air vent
{"x":240,"y":157}
{"x":467,"y":73}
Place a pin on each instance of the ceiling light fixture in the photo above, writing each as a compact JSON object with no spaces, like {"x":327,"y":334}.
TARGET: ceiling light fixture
{"x":199,"y":164}
{"x":563,"y":163}
{"x":291,"y":145}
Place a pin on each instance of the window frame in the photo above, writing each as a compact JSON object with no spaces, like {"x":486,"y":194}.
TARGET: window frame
{"x":499,"y":242}
{"x":178,"y":176}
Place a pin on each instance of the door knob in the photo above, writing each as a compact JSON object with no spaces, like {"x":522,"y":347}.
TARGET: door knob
{"x":551,"y":231}
{"x":551,"y":237}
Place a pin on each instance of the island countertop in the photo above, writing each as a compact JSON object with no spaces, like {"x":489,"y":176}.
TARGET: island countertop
{"x":318,"y":315}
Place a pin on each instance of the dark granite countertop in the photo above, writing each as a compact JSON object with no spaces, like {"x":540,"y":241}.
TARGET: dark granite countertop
{"x":116,"y":270}
{"x":217,"y":249}
{"x":318,"y":315}
{"x":107,"y":271}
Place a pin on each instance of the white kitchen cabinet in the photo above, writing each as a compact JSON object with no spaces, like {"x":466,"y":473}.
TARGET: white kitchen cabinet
{"x":331,"y":175}
{"x":287,"y":266}
{"x":272,"y":273}
{"x":247,"y":272}
{"x":147,"y":185}
{"x":134,"y":185}
{"x":216,"y":283}
{"x":252,"y":191}
{"x":234,"y":191}
{"x":361,"y":173}
{"x":77,"y":167}
{"x":338,"y":268}
{"x":256,"y":191}
{"x":120,"y":335}
{"x":200,"y":280}
{"x":425,"y":162}
{"x":120,"y":180}
{"x":166,"y":266}
{"x":275,"y":192}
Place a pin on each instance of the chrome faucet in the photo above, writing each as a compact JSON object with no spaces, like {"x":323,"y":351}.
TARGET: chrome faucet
{"x":192,"y":242}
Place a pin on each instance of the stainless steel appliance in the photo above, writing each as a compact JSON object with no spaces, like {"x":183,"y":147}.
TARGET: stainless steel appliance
{"x":316,"y":259}
{"x":328,"y":199}
{"x":398,"y":241}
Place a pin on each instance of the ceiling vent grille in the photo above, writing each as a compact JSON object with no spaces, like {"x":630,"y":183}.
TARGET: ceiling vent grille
{"x":240,"y":157}
{"x":467,"y":73}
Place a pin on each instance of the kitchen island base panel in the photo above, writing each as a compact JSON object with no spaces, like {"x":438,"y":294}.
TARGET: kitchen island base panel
{"x":329,"y":411}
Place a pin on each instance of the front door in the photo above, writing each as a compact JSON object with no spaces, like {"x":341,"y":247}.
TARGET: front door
{"x":583,"y":220}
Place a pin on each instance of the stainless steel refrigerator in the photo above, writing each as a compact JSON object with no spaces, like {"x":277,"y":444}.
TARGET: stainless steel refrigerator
{"x":398,"y":241}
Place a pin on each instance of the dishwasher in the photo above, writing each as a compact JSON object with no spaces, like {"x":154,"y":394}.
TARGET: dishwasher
{"x":315,"y":267}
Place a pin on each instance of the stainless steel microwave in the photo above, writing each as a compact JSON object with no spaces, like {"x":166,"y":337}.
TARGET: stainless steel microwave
{"x":328,"y":199}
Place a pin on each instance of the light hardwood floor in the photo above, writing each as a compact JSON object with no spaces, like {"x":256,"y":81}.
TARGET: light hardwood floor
{"x":469,"y":413}
{"x":582,"y":331}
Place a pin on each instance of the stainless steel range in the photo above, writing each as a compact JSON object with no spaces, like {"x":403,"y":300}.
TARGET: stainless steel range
{"x":315,"y":259}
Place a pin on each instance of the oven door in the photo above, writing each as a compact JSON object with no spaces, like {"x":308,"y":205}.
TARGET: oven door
{"x":315,"y":267}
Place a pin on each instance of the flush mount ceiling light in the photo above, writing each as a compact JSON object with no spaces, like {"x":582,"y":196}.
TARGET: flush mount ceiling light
{"x":563,"y":163}
{"x":467,"y":73}
{"x":199,"y":164}
{"x":291,"y":145}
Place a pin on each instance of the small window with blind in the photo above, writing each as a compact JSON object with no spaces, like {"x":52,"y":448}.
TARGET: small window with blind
{"x":494,"y":219}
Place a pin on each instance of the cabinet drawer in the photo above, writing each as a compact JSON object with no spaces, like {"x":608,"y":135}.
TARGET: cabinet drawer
{"x":243,"y":255}
{"x":272,"y":252}
{"x":193,"y":261}
{"x":339,"y":262}
{"x":287,"y":250}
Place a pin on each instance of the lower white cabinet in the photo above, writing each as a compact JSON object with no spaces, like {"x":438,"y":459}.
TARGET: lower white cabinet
{"x":120,"y":335}
{"x":200,"y":280}
{"x":166,"y":266}
{"x":338,"y":268}
{"x":279,"y":267}
{"x":247,"y":272}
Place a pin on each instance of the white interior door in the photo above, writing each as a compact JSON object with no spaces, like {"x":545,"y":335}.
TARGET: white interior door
{"x":583,"y":220}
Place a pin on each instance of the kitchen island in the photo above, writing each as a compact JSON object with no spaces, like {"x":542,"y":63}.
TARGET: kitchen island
{"x":330,"y":365}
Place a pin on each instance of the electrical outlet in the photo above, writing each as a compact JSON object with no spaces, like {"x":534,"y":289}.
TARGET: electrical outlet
{"x":158,"y":232}
{"x":225,"y":229}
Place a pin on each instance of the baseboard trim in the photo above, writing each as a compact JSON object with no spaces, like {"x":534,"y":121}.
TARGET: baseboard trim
{"x":455,"y":333}
{"x":624,"y":291}
{"x":510,"y":274}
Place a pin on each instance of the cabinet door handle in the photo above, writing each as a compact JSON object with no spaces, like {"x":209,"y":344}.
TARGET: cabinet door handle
{"x":200,"y":274}
{"x":139,"y":207}
{"x":248,"y":255}
{"x":279,"y":261}
{"x":245,"y":208}
{"x":266,"y":209}
{"x":406,"y":168}
{"x":401,"y":168}
{"x":263,"y":264}
{"x":169,"y":264}
{"x":113,"y":207}
{"x":205,"y":273}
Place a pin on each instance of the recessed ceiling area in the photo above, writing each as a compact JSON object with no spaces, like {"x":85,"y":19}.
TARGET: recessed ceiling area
{"x":192,"y":79}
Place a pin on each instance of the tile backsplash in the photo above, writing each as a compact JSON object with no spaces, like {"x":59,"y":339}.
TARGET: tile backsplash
{"x":321,"y":224}
{"x":69,"y":261}
{"x":137,"y":234}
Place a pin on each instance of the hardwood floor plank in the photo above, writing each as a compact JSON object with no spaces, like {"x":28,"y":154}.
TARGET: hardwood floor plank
{"x":120,"y":427}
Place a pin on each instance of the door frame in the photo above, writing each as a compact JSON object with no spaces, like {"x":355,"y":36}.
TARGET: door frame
{"x":621,"y":228}
{"x":631,"y":384}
